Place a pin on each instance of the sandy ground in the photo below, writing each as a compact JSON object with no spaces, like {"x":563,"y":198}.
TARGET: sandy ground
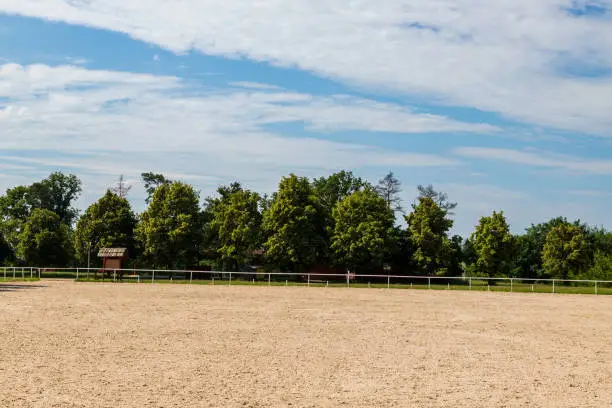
{"x":66,"y":344}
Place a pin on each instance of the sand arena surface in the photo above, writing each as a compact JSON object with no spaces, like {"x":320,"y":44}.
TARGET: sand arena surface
{"x":125,"y":345}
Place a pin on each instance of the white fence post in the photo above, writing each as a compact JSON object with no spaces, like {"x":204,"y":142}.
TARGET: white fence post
{"x":230,"y":279}
{"x":269,"y":279}
{"x":308,"y":280}
{"x":388,"y":282}
{"x":511,"y":282}
{"x":153,"y":276}
{"x":553,"y":286}
{"x":190,"y":276}
{"x":13,"y":272}
{"x":77,"y":278}
{"x":22,"y":274}
{"x":595,"y":287}
{"x":428,"y":283}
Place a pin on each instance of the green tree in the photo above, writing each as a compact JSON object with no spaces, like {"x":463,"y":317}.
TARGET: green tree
{"x":151,"y":182}
{"x":15,"y":209}
{"x":110,"y":222}
{"x":336,"y":187}
{"x":601,"y":268}
{"x":170,"y":230}
{"x":428,"y":225}
{"x":45,"y":240}
{"x":389,"y":188}
{"x":57,"y":193}
{"x":236,"y":226}
{"x":295,"y":225}
{"x":454,"y":260}
{"x":530,"y":247}
{"x":362,"y":230}
{"x":566,"y":252}
{"x":439,"y":197}
{"x":7,"y":254}
{"x":494,"y":245}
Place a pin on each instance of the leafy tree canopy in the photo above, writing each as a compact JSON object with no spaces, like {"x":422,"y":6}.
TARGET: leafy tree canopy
{"x":110,"y":222}
{"x":566,"y":252}
{"x":494,"y":246}
{"x":236,"y":225}
{"x":295,"y":225}
{"x":45,"y":240}
{"x":362,"y":231}
{"x":428,"y":225}
{"x":170,"y":230}
{"x":151,"y":182}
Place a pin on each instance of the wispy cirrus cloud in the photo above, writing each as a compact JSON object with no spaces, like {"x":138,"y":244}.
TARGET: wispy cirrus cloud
{"x":538,"y":159}
{"x":72,"y":109}
{"x":532,"y":61}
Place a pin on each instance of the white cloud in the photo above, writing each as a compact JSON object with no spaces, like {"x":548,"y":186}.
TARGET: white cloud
{"x":538,"y":159}
{"x":255,"y":85}
{"x":502,"y":56}
{"x":114,"y":115}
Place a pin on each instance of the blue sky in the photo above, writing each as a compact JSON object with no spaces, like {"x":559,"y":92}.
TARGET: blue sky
{"x":503,"y":105}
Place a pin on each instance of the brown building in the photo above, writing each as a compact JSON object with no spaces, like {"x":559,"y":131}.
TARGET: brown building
{"x":112,"y":258}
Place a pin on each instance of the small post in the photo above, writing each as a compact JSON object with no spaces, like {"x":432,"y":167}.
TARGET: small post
{"x":470,"y":280}
{"x":190,"y":276}
{"x":347,"y":280}
{"x":269,"y":278}
{"x":511,"y":287}
{"x":229,"y":282}
{"x":326,"y":284}
{"x":213,"y":280}
{"x":114,"y":275}
{"x":532,"y":287}
{"x":553,"y":286}
{"x":13,"y":272}
{"x":286,"y":282}
{"x":77,"y":278}
{"x":4,"y":273}
{"x":488,"y":287}
{"x":410,"y":285}
{"x":428,"y":283}
{"x":448,"y":285}
{"x":253,"y":281}
{"x":308,"y":280}
{"x":388,"y":282}
{"x":22,"y":274}
{"x":595,"y":287}
{"x":368,"y":285}
{"x":153,"y":276}
{"x":31,"y":272}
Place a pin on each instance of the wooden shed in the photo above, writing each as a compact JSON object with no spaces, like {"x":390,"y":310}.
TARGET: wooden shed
{"x":112,"y":258}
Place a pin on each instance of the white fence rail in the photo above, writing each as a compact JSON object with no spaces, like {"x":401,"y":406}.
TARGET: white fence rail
{"x":311,"y":279}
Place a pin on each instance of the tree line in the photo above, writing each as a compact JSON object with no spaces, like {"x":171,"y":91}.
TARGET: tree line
{"x":342,"y":222}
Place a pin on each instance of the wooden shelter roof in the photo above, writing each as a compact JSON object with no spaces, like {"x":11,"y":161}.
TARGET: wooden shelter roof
{"x":112,"y":252}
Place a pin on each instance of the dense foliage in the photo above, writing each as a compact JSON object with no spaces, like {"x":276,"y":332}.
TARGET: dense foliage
{"x":339,"y":222}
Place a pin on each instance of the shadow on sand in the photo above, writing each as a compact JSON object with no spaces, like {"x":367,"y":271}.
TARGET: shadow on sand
{"x":12,"y":287}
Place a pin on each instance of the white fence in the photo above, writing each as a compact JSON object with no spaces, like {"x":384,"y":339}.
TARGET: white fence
{"x":314,"y":279}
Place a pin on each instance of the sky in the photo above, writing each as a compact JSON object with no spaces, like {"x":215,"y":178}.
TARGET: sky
{"x":504,"y":105}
